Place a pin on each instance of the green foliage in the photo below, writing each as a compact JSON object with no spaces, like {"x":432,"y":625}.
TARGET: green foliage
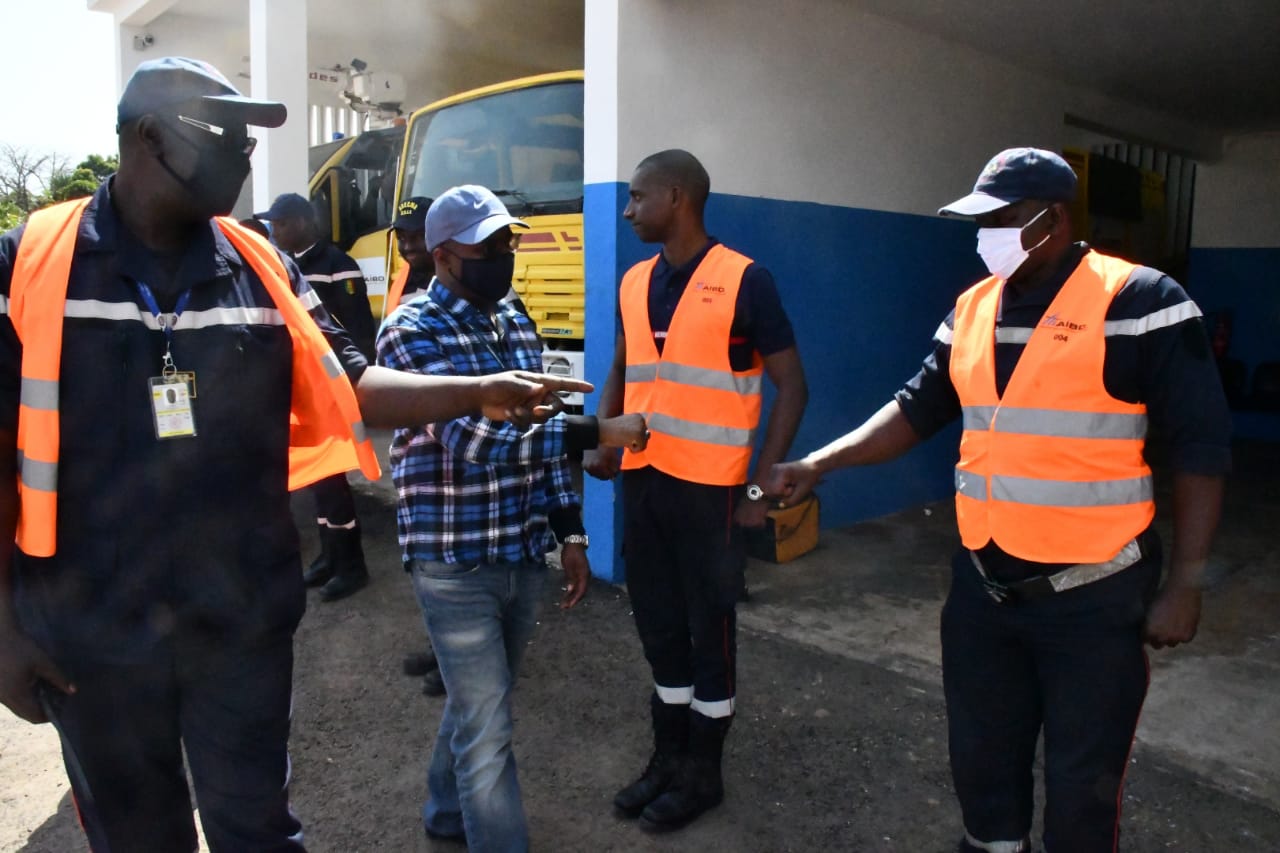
{"x":10,"y":215}
{"x":100,"y":167}
{"x":69,"y":185}
{"x":30,"y":181}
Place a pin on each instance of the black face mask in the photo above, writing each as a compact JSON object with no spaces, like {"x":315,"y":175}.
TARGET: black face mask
{"x":216,"y":179}
{"x":488,"y":278}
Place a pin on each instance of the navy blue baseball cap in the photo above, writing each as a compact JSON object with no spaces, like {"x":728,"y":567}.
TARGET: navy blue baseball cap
{"x":411,"y":214}
{"x":1013,"y":175}
{"x":288,"y":206}
{"x":159,"y":84}
{"x":467,"y":214}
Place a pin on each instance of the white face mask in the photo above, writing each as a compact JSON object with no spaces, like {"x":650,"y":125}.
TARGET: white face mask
{"x":1001,"y":248}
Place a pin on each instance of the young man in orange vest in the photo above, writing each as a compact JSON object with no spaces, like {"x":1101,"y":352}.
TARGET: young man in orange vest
{"x":701,"y":326}
{"x":1059,"y":365}
{"x":411,"y":242}
{"x":166,"y":377}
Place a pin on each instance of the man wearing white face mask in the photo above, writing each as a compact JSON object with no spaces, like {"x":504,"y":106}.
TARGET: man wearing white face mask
{"x":1059,"y":364}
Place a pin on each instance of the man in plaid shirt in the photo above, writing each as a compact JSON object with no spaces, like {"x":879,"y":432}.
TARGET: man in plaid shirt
{"x":479,"y":503}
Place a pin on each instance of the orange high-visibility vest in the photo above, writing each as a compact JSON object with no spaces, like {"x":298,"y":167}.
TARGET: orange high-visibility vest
{"x":396,"y":291}
{"x":1052,"y":471}
{"x":702,"y":414}
{"x":326,"y":434}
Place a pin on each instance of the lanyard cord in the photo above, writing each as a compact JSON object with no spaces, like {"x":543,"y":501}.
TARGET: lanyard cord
{"x":165,"y":321}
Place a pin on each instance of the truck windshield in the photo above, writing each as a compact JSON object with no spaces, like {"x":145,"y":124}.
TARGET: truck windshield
{"x":525,"y":145}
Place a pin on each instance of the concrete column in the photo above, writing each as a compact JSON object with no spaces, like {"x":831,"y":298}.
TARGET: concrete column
{"x":602,"y":509}
{"x":278,"y":68}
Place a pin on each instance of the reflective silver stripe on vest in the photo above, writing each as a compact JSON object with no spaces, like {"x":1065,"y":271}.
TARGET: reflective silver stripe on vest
{"x":39,"y":394}
{"x":357,"y":429}
{"x":1013,"y":334}
{"x":978,"y":418}
{"x":1034,"y":492}
{"x":1056,"y":423}
{"x":704,"y":377}
{"x":41,"y":476}
{"x":96,"y":309}
{"x":332,"y":367}
{"x":971,"y":485}
{"x":706,"y":433}
{"x":642,"y":372}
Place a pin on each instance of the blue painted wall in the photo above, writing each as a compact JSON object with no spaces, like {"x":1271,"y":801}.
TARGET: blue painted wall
{"x":865,"y":291}
{"x":1245,"y":282}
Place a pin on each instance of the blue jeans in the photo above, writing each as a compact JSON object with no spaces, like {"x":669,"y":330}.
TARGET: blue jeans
{"x":480,"y":618}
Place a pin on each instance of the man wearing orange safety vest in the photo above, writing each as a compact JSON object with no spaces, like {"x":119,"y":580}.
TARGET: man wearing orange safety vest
{"x":166,"y":377}
{"x":1059,"y":365}
{"x":701,"y":327}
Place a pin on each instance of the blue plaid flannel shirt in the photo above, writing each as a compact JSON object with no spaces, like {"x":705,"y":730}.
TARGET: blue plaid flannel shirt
{"x":472,"y":490}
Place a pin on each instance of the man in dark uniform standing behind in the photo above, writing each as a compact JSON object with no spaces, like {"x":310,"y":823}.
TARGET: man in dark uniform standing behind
{"x":1059,"y":365}
{"x":702,"y":326}
{"x":335,"y":277}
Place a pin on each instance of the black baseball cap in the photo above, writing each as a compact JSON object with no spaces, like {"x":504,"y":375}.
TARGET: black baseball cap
{"x":1013,"y":175}
{"x":411,"y":214}
{"x":288,"y":206}
{"x":159,"y":84}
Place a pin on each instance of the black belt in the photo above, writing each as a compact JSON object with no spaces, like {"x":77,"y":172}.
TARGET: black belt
{"x":1071,"y":577}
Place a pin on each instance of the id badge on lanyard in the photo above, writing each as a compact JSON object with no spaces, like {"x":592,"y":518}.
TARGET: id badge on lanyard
{"x":172,"y":392}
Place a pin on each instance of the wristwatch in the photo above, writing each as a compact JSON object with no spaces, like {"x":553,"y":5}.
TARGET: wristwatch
{"x":576,"y":539}
{"x":755,"y":493}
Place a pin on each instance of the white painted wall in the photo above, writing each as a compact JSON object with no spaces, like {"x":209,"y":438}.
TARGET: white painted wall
{"x":825,"y":103}
{"x":600,"y":93}
{"x":1237,"y":202}
{"x":278,"y":62}
{"x":224,"y":47}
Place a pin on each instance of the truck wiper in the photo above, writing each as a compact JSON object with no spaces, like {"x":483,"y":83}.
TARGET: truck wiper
{"x":516,"y":194}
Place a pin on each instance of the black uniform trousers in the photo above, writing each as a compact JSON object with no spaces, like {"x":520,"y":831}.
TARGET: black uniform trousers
{"x":684,"y":561}
{"x":1072,"y":663}
{"x":227,"y":702}
{"x":335,"y":502}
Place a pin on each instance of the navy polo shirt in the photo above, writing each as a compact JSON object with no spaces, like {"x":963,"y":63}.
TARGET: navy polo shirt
{"x":158,"y":537}
{"x":760,"y":323}
{"x":1157,"y":353}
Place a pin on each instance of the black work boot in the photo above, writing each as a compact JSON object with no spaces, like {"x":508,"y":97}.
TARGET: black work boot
{"x":420,"y":663}
{"x":347,"y":557}
{"x":670,"y":743}
{"x":433,"y":683}
{"x":698,"y":786}
{"x":321,"y":569}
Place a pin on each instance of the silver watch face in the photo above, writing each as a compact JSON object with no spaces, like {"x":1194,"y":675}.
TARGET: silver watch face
{"x":576,"y":539}
{"x":754,"y":492}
